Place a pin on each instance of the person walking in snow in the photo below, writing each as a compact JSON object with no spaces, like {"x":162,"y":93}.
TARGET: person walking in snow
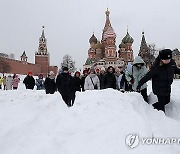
{"x":9,"y":82}
{"x":92,"y":81}
{"x":138,"y":71}
{"x":1,"y":82}
{"x":40,"y":82}
{"x":162,"y":74}
{"x":77,"y":81}
{"x":50,"y":84}
{"x":85,"y":74}
{"x":4,"y":82}
{"x":109,"y":78}
{"x":122,"y":82}
{"x":65,"y":86}
{"x":29,"y":81}
{"x":16,"y":81}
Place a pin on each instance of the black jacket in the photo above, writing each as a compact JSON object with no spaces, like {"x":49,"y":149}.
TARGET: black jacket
{"x":29,"y":82}
{"x":77,"y":83}
{"x":50,"y":85}
{"x":162,"y":77}
{"x":109,"y":80}
{"x":83,"y":82}
{"x":101,"y":79}
{"x":65,"y":84}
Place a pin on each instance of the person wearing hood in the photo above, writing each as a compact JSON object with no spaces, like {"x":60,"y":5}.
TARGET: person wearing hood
{"x":40,"y":82}
{"x":109,"y":78}
{"x":16,"y":82}
{"x":138,"y":71}
{"x":92,"y":81}
{"x":65,"y":86}
{"x":49,"y":83}
{"x":29,"y":81}
{"x":162,"y":74}
{"x":77,"y":81}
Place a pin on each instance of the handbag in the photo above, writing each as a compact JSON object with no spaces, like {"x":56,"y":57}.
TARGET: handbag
{"x":95,"y":86}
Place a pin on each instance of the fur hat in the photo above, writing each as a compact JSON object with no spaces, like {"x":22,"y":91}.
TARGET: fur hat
{"x":65,"y":68}
{"x":165,"y":54}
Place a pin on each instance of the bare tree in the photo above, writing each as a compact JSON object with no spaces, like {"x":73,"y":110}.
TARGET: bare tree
{"x":153,"y":52}
{"x":68,"y":62}
{"x":4,"y":66}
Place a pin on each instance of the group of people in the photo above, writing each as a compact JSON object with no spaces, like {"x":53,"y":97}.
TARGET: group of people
{"x":9,"y":82}
{"x":133,"y":78}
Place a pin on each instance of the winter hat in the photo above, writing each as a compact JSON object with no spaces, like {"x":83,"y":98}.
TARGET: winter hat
{"x":29,"y":73}
{"x":103,"y":69}
{"x":165,"y":54}
{"x":65,"y":68}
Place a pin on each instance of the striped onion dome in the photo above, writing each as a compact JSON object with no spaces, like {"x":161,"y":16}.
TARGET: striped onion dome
{"x":127,"y":39}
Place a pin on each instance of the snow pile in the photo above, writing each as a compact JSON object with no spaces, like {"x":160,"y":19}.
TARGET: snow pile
{"x":32,"y":122}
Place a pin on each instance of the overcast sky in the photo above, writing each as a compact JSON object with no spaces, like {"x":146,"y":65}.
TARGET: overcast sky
{"x":70,"y":23}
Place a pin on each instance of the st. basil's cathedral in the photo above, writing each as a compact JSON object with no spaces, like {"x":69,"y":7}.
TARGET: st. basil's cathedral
{"x":104,"y":54}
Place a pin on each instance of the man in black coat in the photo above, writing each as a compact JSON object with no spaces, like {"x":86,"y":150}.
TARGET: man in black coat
{"x":65,"y":86}
{"x":29,"y":81}
{"x":162,"y":74}
{"x":109,"y":78}
{"x":50,"y":84}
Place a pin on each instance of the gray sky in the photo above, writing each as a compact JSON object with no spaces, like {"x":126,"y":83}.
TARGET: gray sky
{"x":69,"y":24}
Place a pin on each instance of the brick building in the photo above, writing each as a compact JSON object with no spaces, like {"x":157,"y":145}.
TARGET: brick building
{"x":41,"y":65}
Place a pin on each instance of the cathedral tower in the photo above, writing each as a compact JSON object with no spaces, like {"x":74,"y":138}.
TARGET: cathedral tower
{"x":42,"y":55}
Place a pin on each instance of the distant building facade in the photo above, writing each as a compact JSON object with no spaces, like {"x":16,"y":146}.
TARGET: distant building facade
{"x":41,"y":65}
{"x":103,"y":53}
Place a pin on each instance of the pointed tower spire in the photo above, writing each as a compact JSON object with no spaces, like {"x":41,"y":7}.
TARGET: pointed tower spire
{"x":144,"y":50}
{"x":108,"y":23}
{"x":43,"y":36}
{"x":42,"y":49}
{"x":143,"y":46}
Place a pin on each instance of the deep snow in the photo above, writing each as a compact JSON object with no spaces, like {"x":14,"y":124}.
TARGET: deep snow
{"x":32,"y":122}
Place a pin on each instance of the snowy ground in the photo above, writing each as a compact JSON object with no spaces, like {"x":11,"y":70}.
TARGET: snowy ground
{"x":32,"y":122}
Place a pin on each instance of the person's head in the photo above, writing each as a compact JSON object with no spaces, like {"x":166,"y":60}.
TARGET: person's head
{"x":85,"y":72}
{"x":40,"y":76}
{"x":92,"y":71}
{"x":16,"y":76}
{"x":77,"y":74}
{"x":165,"y":56}
{"x":117,"y":70}
{"x":65,"y":69}
{"x":30,"y":73}
{"x":111,"y":69}
{"x":139,"y":65}
{"x":103,"y":70}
